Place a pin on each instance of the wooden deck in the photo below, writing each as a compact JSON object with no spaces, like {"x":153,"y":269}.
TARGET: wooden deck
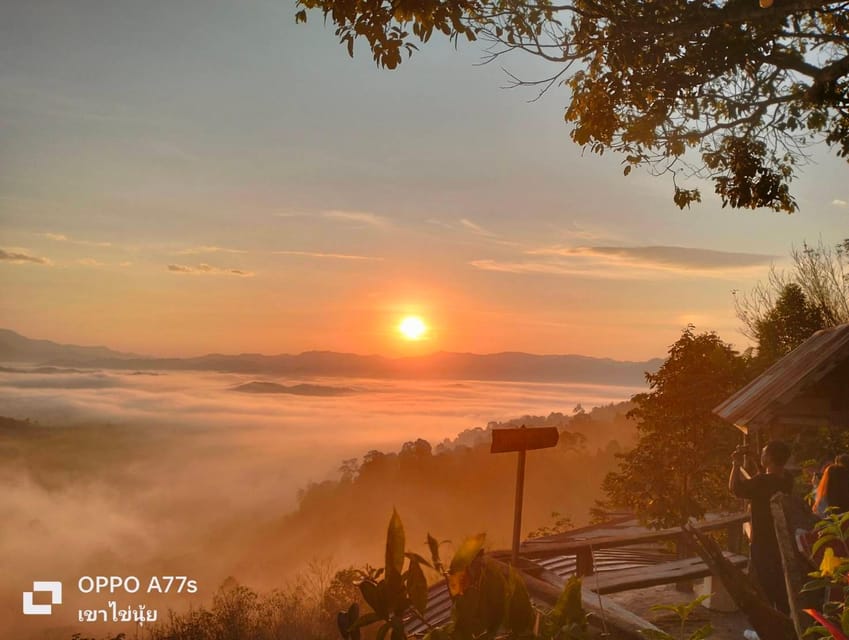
{"x":625,"y":532}
{"x":666,"y":573}
{"x":618,"y":555}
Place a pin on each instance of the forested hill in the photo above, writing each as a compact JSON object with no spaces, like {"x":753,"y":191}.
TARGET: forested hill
{"x":450,"y":489}
{"x":443,"y":365}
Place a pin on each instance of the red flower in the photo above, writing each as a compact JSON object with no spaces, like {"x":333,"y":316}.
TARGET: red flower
{"x":835,"y":631}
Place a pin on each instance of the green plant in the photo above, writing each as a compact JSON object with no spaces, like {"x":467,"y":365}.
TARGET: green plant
{"x":832,"y":578}
{"x":489,"y":600}
{"x":683,"y":612}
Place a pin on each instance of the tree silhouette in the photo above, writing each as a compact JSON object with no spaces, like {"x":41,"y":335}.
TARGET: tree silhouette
{"x":732,"y":90}
{"x":820,"y":275}
{"x":677,"y":469}
{"x":788,"y":324}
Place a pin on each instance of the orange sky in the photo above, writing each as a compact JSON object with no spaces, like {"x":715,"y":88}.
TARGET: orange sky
{"x":215,"y":178}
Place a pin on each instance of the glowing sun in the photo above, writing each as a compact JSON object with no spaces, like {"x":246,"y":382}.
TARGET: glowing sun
{"x":412,"y":328}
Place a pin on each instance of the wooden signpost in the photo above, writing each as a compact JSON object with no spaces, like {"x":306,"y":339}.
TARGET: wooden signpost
{"x":521,"y":440}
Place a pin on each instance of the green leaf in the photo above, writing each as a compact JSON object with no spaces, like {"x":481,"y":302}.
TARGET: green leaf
{"x":417,"y":586}
{"x":820,"y":542}
{"x":467,"y":618}
{"x":467,"y":552}
{"x":434,"y":552}
{"x":458,"y":573}
{"x":374,"y":593}
{"x":569,"y":608}
{"x":395,"y":545}
{"x":493,"y":604}
{"x":702,"y":632}
{"x":417,"y":558}
{"x":344,"y":624}
{"x":353,"y":612}
{"x":366,"y":620}
{"x":520,"y":613}
{"x":396,"y":594}
{"x":398,"y":630}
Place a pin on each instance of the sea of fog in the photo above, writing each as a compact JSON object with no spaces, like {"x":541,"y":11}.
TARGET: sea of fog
{"x":305,"y":435}
{"x":139,"y":473}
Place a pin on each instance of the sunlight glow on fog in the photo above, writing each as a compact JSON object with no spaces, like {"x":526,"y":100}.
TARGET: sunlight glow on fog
{"x":178,"y":472}
{"x":307,"y":435}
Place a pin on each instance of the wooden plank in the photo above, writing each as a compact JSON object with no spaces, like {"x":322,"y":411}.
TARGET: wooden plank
{"x":523,"y":439}
{"x":542,"y":547}
{"x":766,"y":621}
{"x":794,"y":576}
{"x":665,"y":573}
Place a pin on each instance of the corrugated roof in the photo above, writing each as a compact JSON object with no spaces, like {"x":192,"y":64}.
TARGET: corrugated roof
{"x":757,"y":403}
{"x":606,"y":561}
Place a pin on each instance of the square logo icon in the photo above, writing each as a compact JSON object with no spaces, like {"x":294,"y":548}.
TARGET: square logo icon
{"x":55,"y":591}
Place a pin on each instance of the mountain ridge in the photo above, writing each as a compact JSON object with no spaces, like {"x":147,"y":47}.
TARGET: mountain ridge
{"x":507,"y":365}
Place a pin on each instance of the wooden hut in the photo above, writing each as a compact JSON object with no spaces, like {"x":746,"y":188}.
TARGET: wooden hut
{"x":809,"y":387}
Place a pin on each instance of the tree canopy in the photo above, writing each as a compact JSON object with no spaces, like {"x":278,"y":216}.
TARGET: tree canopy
{"x":788,"y":324}
{"x":790,"y":306}
{"x":678,"y":468}
{"x":735,"y":91}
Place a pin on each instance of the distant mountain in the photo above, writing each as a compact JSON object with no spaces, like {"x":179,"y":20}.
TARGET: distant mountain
{"x":16,"y":348}
{"x":506,"y":366}
{"x":296,"y":390}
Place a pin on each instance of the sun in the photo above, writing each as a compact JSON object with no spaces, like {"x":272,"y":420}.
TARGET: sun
{"x":412,"y":328}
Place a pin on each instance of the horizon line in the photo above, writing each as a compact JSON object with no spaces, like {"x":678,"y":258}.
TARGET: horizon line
{"x":125,"y":355}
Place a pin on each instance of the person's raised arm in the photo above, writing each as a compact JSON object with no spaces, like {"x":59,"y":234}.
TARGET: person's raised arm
{"x":738,"y":475}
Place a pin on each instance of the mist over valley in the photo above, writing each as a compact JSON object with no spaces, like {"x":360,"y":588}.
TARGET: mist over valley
{"x":213,"y":474}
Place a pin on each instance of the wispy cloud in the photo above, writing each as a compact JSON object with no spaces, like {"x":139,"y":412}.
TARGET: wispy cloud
{"x":22,"y":257}
{"x":353,"y":217}
{"x":191,"y":251}
{"x":837,"y":202}
{"x":580,"y":232}
{"x":209,"y":270}
{"x":91,"y":262}
{"x":476,"y":228}
{"x":662,"y":257}
{"x":316,"y":254}
{"x":61,"y":237}
{"x":629,"y":263}
{"x":525,"y":267}
{"x":465,"y":224}
{"x":357,"y":217}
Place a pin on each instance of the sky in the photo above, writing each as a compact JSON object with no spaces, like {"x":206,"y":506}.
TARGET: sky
{"x":197,"y":176}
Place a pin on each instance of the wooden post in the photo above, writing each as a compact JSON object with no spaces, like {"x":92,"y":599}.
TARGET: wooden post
{"x":769,"y":623}
{"x":735,"y":537}
{"x":517,"y":511}
{"x":683,"y":550}
{"x":584,"y":562}
{"x":521,"y":440}
{"x":794,"y":575}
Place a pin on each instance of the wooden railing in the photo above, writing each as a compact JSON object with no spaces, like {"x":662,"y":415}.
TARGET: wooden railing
{"x":581,"y":542}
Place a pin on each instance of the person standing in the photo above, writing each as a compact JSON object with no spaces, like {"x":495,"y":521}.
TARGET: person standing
{"x":765,"y":561}
{"x":833,"y":490}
